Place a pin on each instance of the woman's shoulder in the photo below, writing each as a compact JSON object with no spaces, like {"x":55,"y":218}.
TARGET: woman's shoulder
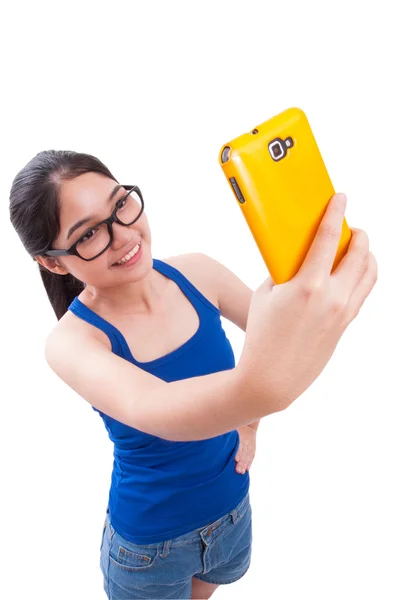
{"x":73,"y":326}
{"x":195,"y":266}
{"x":198,"y":268}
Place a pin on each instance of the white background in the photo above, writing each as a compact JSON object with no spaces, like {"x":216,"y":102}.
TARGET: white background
{"x":154,"y":89}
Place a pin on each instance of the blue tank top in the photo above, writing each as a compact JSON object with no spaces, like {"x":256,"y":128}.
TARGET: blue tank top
{"x":162,"y":489}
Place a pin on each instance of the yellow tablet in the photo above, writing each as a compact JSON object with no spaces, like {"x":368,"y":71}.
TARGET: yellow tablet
{"x":282,"y":187}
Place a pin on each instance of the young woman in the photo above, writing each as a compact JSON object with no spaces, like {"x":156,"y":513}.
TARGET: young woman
{"x":141,"y":340}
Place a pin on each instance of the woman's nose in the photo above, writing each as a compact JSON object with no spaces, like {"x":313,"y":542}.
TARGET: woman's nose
{"x":122,"y":235}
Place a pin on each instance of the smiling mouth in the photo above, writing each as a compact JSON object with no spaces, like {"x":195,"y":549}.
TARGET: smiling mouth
{"x":129,"y":255}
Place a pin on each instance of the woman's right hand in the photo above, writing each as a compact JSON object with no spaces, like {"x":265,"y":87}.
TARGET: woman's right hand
{"x":293,"y":328}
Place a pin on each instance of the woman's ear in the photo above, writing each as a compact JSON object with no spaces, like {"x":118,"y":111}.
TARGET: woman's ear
{"x":52,"y":264}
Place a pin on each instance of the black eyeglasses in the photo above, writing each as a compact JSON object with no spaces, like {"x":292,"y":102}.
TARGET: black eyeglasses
{"x":126,"y":212}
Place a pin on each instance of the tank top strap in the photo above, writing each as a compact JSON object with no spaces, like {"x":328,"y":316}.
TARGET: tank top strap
{"x":87,"y":314}
{"x":204,"y":308}
{"x":198,"y":299}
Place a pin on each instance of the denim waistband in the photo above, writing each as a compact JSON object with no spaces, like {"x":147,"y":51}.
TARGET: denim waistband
{"x":206,"y":532}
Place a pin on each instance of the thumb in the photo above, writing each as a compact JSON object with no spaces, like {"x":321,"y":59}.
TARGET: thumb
{"x":266,"y":286}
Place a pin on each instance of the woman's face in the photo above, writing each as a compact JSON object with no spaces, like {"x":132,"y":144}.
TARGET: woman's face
{"x":88,"y":196}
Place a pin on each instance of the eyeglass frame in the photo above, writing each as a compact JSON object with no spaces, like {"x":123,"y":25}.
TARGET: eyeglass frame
{"x":72,"y":250}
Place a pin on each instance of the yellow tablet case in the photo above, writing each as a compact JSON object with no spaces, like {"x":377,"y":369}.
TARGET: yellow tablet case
{"x":282,"y":187}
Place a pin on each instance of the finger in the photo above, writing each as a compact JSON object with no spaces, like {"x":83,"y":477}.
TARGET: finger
{"x":239,"y":467}
{"x":246,"y":459}
{"x":239,"y":453}
{"x":267,"y":285}
{"x":243,"y":460}
{"x":363,"y":289}
{"x":352,"y":267}
{"x":322,"y":253}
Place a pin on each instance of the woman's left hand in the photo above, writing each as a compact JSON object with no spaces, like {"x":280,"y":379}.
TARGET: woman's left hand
{"x":247,"y":448}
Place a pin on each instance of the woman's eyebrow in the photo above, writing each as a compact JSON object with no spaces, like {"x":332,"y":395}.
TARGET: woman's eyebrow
{"x":81,"y":222}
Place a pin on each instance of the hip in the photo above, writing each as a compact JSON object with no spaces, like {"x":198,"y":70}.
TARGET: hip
{"x":218,"y":552}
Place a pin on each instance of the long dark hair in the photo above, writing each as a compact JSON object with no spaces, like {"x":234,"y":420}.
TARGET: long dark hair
{"x":35,"y":212}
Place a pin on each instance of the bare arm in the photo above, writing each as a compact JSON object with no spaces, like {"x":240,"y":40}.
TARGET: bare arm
{"x":234,"y":296}
{"x":189,"y":409}
{"x":292,"y":330}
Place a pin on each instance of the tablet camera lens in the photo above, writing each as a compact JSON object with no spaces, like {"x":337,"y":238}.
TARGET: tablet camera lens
{"x":277,"y":150}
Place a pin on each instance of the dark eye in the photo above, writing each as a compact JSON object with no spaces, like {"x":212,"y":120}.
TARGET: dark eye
{"x":120,"y":202}
{"x":87,"y":236}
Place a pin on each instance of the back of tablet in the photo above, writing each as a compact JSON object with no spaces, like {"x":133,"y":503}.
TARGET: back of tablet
{"x":282,"y":187}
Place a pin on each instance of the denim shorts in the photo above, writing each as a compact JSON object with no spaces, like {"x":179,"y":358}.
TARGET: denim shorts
{"x":219,"y":553}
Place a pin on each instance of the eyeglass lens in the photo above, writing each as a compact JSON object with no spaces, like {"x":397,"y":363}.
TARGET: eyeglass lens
{"x":96,"y":240}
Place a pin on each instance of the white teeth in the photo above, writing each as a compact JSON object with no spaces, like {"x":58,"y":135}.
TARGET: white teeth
{"x":129,"y":255}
